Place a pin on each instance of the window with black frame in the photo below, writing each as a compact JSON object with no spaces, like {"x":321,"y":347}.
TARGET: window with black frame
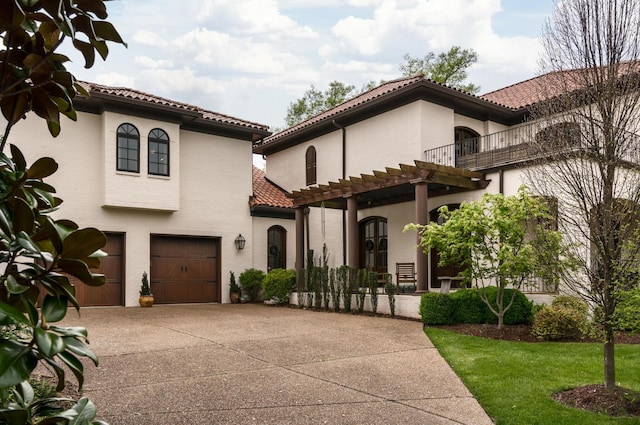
{"x":128,"y":154}
{"x":158,"y":152}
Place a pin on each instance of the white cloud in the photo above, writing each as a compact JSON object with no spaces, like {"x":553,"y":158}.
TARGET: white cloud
{"x":148,"y":62}
{"x":148,"y":38}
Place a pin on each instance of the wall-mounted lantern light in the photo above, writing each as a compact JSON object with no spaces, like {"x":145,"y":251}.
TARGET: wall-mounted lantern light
{"x":240,"y":240}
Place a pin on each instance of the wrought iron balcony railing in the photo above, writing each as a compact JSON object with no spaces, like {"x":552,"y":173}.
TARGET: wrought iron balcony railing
{"x":515,"y":145}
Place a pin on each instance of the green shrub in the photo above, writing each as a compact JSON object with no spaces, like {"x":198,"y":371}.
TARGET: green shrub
{"x":627,"y":315}
{"x":436,"y":309}
{"x":557,"y":322}
{"x":251,"y":283}
{"x":468,"y":307}
{"x":279,"y":283}
{"x":572,"y":303}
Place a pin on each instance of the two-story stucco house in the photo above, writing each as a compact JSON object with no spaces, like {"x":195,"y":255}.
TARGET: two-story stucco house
{"x":169,"y":184}
{"x":358,"y":173}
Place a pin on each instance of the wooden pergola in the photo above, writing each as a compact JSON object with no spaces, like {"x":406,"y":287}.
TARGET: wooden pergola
{"x":407,"y":183}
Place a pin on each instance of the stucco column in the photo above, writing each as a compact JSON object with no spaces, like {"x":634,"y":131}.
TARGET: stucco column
{"x":352,"y":232}
{"x":299,"y":245}
{"x":422,"y":217}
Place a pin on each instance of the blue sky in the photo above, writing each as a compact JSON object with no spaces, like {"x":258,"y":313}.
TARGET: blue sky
{"x":252,"y":58}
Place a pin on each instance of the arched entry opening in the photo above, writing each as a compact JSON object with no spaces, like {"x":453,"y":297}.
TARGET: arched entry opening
{"x":437,"y":271}
{"x":374,"y":244}
{"x":277,"y":248}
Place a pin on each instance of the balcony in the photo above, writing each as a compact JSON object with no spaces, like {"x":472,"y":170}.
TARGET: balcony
{"x":514,"y":146}
{"x":480,"y":153}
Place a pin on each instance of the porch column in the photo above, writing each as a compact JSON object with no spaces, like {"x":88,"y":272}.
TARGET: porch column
{"x":352,"y":232}
{"x":422,"y":217}
{"x":299,"y":211}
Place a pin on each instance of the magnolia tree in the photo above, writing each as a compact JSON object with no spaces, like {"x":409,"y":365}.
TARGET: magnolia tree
{"x":39,"y":254}
{"x":502,"y":241}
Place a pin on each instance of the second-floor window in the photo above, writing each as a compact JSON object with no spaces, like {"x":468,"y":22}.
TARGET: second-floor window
{"x":128,"y":148}
{"x":158,"y":152}
{"x":310,"y":161}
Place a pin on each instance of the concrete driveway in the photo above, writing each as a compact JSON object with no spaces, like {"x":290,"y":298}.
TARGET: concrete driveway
{"x":255,"y":364}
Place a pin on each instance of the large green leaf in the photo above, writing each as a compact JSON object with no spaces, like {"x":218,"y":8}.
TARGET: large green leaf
{"x":74,"y":365}
{"x":48,"y":343}
{"x":43,"y":167}
{"x":10,"y":315}
{"x":17,"y":361}
{"x":23,"y":218}
{"x":83,"y":243}
{"x":85,"y":410}
{"x":14,"y":287}
{"x":79,"y":348}
{"x":54,"y":308}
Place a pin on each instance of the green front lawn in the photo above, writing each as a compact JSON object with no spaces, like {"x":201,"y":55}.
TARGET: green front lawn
{"x":514,"y":381}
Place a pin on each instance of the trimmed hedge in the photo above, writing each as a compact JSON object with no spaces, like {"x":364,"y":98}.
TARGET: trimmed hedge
{"x":436,"y":309}
{"x":466,"y":306}
{"x":279,"y":283}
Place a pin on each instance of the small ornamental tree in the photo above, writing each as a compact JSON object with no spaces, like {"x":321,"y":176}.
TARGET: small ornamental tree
{"x":499,"y":240}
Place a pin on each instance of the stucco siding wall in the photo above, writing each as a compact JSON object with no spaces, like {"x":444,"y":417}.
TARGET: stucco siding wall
{"x":384,"y":140}
{"x":140,"y":190}
{"x":437,"y":123}
{"x":214,"y":189}
{"x":287,"y":168}
{"x":260,"y":227}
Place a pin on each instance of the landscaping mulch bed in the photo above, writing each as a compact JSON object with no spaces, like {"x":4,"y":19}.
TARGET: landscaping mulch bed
{"x":617,"y":402}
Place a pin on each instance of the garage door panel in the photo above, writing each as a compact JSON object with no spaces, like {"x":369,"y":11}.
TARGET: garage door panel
{"x":184,"y":269}
{"x":112,"y":267}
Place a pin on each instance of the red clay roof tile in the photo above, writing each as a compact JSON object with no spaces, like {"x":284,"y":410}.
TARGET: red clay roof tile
{"x":267,"y":193}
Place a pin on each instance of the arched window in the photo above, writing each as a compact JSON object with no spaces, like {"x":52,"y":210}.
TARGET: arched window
{"x":310,"y":161}
{"x":128,"y":140}
{"x":374,"y":244}
{"x":158,"y":152}
{"x":276,"y":248}
{"x":466,"y":141}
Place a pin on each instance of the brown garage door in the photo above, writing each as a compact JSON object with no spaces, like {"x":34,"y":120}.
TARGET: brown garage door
{"x":185,"y":269}
{"x":112,"y":267}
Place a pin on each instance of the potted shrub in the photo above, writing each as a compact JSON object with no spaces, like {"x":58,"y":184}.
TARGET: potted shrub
{"x":234,"y":289}
{"x":146,"y":297}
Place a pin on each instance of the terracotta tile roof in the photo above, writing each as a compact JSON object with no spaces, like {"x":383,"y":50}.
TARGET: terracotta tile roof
{"x":552,"y":84}
{"x":131,"y":94}
{"x":533,"y":90}
{"x":361,"y":99}
{"x":267,"y":193}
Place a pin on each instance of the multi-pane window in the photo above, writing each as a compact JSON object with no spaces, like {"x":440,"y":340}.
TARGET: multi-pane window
{"x":158,"y":152}
{"x":373,"y":239}
{"x":128,"y":148}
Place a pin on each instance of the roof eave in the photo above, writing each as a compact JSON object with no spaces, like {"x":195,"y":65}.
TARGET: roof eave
{"x":419,"y":90}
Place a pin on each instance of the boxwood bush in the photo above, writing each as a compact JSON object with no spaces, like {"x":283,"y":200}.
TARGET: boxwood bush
{"x":557,"y":322}
{"x":436,"y":309}
{"x":251,"y":283}
{"x":469,"y":307}
{"x":278,"y":283}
